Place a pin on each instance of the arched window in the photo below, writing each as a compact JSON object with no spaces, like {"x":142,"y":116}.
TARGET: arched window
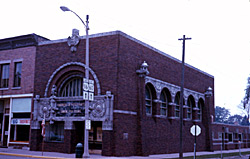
{"x":190,"y":105}
{"x":148,"y":100}
{"x":72,"y":88}
{"x":164,"y":103}
{"x":177,"y":105}
{"x":200,"y":106}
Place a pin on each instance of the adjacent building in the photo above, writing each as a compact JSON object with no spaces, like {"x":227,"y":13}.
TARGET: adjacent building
{"x":134,"y":91}
{"x":17,"y":66}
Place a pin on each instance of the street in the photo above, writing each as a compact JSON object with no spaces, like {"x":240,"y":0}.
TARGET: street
{"x":15,"y":157}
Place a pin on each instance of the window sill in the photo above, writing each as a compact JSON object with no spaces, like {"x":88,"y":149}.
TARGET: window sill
{"x":55,"y":141}
{"x":4,"y":89}
{"x":198,"y":121}
{"x":161,"y":116}
{"x":16,"y":88}
{"x":19,"y":142}
{"x":149,"y":115}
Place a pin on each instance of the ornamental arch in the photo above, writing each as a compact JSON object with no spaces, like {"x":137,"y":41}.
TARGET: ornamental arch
{"x":165,"y":99}
{"x":66,"y":70}
{"x":190,"y":107}
{"x":63,"y":106}
{"x":150,"y":96}
{"x":200,"y":106}
{"x":192,"y":101}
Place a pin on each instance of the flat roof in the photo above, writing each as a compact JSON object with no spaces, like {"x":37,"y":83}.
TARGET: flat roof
{"x":21,"y":41}
{"x":131,"y":38}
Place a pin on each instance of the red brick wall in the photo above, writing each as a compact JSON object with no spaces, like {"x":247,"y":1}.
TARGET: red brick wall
{"x":233,"y":129}
{"x":115,"y":60}
{"x":28,"y":66}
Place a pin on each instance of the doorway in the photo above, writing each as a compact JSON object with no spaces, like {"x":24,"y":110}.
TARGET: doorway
{"x":5,"y":130}
{"x":95,"y":135}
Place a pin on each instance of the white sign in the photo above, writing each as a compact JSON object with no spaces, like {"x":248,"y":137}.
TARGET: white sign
{"x":88,"y":124}
{"x":91,"y":96}
{"x":85,"y":86}
{"x":91,"y":81}
{"x":20,"y":121}
{"x":91,"y":87}
{"x":85,"y":95}
{"x":198,"y":130}
{"x":85,"y":80}
{"x":88,"y":87}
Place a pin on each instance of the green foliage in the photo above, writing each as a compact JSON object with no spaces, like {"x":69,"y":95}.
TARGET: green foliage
{"x":245,"y":121}
{"x":235,"y":119}
{"x":247,"y":94}
{"x":221,"y":114}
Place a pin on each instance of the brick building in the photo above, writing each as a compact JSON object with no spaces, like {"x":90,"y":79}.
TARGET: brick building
{"x":136,"y":96}
{"x":17,"y":66}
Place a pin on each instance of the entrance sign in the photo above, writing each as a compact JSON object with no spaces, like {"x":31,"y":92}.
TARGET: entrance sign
{"x":195,"y":132}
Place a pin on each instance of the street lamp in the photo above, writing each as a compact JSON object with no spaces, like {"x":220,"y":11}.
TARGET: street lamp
{"x":86,"y":132}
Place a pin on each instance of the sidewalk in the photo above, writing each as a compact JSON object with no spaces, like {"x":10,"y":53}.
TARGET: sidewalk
{"x":55,"y":155}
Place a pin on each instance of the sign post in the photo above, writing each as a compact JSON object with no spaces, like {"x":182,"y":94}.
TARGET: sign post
{"x":43,"y":133}
{"x":195,"y":130}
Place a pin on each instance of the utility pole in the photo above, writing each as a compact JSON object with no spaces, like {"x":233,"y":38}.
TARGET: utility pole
{"x":182,"y":92}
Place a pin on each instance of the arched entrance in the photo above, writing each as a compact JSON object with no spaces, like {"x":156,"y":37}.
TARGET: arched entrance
{"x":65,"y":111}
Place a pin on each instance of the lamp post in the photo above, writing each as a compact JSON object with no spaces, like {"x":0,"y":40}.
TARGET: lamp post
{"x":86,"y":132}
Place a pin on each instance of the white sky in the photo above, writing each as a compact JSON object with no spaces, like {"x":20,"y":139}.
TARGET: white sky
{"x":220,"y":31}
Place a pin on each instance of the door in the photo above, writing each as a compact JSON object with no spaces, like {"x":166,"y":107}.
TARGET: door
{"x":5,"y":131}
{"x":95,"y":136}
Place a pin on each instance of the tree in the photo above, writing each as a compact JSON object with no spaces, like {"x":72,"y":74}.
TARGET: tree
{"x":245,"y":121}
{"x":221,"y":114}
{"x":245,"y":103}
{"x":235,"y":119}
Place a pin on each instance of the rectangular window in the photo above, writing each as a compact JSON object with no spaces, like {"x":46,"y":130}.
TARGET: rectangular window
{"x":240,"y":137}
{"x":199,"y":114}
{"x":19,"y":133}
{"x":163,"y":109}
{"x":177,"y":111}
{"x":54,"y":132}
{"x":17,"y":74}
{"x":189,"y":112}
{"x":219,"y":135}
{"x":235,"y":136}
{"x":230,"y":137}
{"x":4,"y":81}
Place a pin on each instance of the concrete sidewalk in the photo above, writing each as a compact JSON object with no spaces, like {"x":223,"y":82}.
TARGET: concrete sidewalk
{"x":55,"y":155}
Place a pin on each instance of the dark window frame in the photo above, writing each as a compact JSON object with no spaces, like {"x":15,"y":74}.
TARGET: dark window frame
{"x":17,"y":74}
{"x":4,"y":75}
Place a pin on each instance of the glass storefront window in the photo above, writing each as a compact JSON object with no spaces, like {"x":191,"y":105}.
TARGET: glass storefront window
{"x":19,"y":133}
{"x":54,"y":132}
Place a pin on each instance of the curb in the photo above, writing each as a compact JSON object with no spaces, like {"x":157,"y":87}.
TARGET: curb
{"x":32,"y":156}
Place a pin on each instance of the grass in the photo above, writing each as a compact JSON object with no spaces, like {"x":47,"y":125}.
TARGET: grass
{"x":218,"y":155}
